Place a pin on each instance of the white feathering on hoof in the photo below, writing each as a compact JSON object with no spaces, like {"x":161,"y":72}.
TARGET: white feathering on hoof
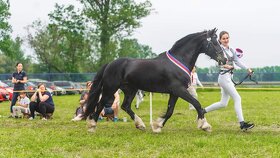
{"x":91,"y":125}
{"x":139,"y":123}
{"x":204,"y":125}
{"x":157,"y":125}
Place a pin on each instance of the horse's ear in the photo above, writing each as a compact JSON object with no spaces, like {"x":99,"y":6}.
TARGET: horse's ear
{"x":215,"y":30}
{"x":212,"y":32}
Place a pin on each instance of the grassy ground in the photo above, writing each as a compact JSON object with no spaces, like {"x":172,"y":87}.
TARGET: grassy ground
{"x":60,"y":137}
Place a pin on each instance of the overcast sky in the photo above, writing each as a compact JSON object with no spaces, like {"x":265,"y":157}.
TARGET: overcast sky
{"x":253,"y":24}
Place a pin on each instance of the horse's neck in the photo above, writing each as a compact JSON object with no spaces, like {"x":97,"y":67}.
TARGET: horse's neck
{"x":187,"y":57}
{"x":187,"y":52}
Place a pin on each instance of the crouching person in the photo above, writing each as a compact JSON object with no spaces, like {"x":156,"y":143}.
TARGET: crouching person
{"x":22,"y":106}
{"x":42,"y":102}
{"x":80,"y":111}
{"x":111,"y":111}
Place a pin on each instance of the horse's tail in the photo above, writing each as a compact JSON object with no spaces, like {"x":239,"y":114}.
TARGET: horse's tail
{"x":95,"y":91}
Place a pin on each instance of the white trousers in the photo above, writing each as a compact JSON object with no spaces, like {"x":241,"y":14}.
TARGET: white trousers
{"x":228,"y":90}
{"x":18,"y":110}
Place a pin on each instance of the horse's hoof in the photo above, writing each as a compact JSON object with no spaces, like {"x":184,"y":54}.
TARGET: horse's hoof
{"x":200,"y":123}
{"x":204,"y":125}
{"x":156,"y":130}
{"x":91,"y":125}
{"x":208,"y":129}
{"x":142,"y":128}
{"x":139,"y":124}
{"x":91,"y":130}
{"x":156,"y":127}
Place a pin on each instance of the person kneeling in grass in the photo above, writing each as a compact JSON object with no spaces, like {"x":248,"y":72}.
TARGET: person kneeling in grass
{"x":42,"y":102}
{"x":79,"y":114}
{"x":111,"y":110}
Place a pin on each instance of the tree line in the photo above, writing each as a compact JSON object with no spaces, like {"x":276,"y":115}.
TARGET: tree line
{"x":79,"y":40}
{"x":76,"y":39}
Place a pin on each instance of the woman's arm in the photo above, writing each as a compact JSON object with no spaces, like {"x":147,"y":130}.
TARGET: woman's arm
{"x":44,"y":97}
{"x":24,"y":80}
{"x":238,"y":62}
{"x":14,"y":80}
{"x":34,"y":97}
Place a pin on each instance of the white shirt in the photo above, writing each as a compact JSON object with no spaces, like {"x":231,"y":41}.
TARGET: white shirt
{"x":24,"y":101}
{"x":232,"y":53}
{"x":194,"y":80}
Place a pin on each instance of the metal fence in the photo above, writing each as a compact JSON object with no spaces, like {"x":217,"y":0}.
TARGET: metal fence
{"x":83,"y":77}
{"x":75,"y":77}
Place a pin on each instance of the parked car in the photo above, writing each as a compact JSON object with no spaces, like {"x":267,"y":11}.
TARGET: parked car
{"x":67,"y":85}
{"x":56,"y":89}
{"x":8,"y":82}
{"x":79,"y":87}
{"x":6,"y":92}
{"x":30,"y":87}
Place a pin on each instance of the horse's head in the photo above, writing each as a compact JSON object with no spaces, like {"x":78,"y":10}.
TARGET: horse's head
{"x":212,"y":48}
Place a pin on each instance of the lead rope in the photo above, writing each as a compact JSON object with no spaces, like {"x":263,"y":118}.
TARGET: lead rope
{"x":240,"y":82}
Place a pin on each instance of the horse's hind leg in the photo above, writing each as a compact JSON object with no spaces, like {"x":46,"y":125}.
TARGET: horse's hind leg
{"x":107,"y":98}
{"x":129,"y":94}
{"x":159,"y":123}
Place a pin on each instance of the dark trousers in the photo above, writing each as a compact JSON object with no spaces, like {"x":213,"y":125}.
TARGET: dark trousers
{"x":42,"y":107}
{"x":14,"y":100}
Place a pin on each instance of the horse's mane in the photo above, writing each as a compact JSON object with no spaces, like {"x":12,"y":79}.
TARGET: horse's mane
{"x":183,"y":40}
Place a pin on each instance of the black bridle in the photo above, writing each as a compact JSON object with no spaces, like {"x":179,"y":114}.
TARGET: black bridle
{"x":209,"y":42}
{"x":249,"y":75}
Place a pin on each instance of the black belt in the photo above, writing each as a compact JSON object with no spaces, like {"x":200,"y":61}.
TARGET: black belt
{"x":222,"y":72}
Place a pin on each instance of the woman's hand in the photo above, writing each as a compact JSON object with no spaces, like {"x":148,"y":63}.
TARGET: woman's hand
{"x":250,"y":71}
{"x":228,"y":66}
{"x":38,"y":90}
{"x":14,"y":80}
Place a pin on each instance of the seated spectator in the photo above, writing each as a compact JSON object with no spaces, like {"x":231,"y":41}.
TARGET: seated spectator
{"x":81,"y":109}
{"x":42,"y":102}
{"x":88,"y":85}
{"x":83,"y":100}
{"x":192,"y":88}
{"x":22,"y":106}
{"x":112,"y":110}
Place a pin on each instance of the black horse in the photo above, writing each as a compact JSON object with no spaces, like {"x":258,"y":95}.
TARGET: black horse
{"x":167,"y":73}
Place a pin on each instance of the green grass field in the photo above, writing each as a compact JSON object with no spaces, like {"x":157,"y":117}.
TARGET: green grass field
{"x":60,"y":137}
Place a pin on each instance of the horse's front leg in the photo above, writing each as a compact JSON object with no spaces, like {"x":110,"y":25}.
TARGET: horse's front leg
{"x":201,"y":120}
{"x":160,"y":122}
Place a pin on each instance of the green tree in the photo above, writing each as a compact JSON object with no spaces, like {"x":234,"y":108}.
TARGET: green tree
{"x":114,"y":19}
{"x":5,"y":28}
{"x":15,"y":54}
{"x":65,"y":43}
{"x":131,"y":48}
